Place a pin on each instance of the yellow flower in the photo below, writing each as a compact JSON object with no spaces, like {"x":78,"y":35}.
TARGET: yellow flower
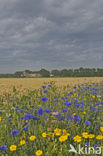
{"x":64,"y":131}
{"x":91,"y":136}
{"x":93,"y":96}
{"x":77,"y":138}
{"x":85,"y":135}
{"x":44,"y":135}
{"x":22,"y":142}
{"x":0,"y":118}
{"x":32,"y":138}
{"x":84,"y":112}
{"x":74,"y":114}
{"x":63,"y":138}
{"x":68,"y":134}
{"x":13,"y":148}
{"x":101,"y":129}
{"x":38,"y":152}
{"x":57,"y":132}
{"x":99,"y":137}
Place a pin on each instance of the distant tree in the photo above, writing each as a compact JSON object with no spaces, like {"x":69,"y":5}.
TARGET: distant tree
{"x":64,"y":73}
{"x":70,"y":72}
{"x":18,"y":74}
{"x":76,"y":73}
{"x":55,"y":73}
{"x":99,"y":72}
{"x":44,"y":73}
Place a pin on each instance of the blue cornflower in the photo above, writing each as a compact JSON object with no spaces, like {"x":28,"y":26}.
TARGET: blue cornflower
{"x":44,"y":99}
{"x":40,"y":111}
{"x":36,"y":118}
{"x":3,"y":147}
{"x":62,"y":98}
{"x":74,"y":87}
{"x":70,"y":93}
{"x":49,"y":85}
{"x":48,"y":111}
{"x":64,"y":110}
{"x":87,"y":144}
{"x":22,"y":118}
{"x":92,"y":108}
{"x":99,"y":125}
{"x":88,"y":123}
{"x":43,"y":87}
{"x":98,"y":110}
{"x":16,"y":109}
{"x":28,"y":116}
{"x":76,"y":101}
{"x":68,"y":103}
{"x":21,"y":110}
{"x":95,"y":145}
{"x":69,"y":117}
{"x":61,"y":118}
{"x":76,"y":118}
{"x":97,"y":104}
{"x":45,"y":91}
{"x":10,"y":119}
{"x":14,"y":132}
{"x":79,"y":104}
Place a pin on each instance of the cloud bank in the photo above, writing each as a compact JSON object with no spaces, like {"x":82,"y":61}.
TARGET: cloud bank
{"x":50,"y":34}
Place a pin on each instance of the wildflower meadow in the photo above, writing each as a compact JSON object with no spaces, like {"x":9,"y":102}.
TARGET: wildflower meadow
{"x":50,"y":120}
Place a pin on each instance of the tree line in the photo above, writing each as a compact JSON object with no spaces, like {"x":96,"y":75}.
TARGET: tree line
{"x":81,"y":72}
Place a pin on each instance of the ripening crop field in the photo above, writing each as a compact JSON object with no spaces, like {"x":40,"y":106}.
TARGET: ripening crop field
{"x":47,"y":117}
{"x":25,"y":84}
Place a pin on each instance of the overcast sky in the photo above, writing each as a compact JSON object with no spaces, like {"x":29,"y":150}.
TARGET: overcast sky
{"x":50,"y":34}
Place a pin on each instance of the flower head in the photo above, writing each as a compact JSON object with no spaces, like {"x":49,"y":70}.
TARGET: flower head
{"x":3,"y":147}
{"x":77,"y":138}
{"x":40,"y":111}
{"x":45,"y":91}
{"x":88,"y":123}
{"x":101,"y":129}
{"x":99,"y":137}
{"x":63,"y":138}
{"x":85,"y":135}
{"x":44,"y":99}
{"x":91,"y":136}
{"x":44,"y":135}
{"x":14,"y":132}
{"x":32,"y":138}
{"x":43,"y":87}
{"x":22,"y":142}
{"x":57,"y":131}
{"x":38,"y":153}
{"x":13,"y":148}
{"x":28,"y":116}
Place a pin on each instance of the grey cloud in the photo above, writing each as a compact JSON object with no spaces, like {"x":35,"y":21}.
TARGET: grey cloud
{"x":50,"y":34}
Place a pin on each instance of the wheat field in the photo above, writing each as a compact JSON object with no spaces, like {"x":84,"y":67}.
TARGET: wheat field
{"x":24,"y":84}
